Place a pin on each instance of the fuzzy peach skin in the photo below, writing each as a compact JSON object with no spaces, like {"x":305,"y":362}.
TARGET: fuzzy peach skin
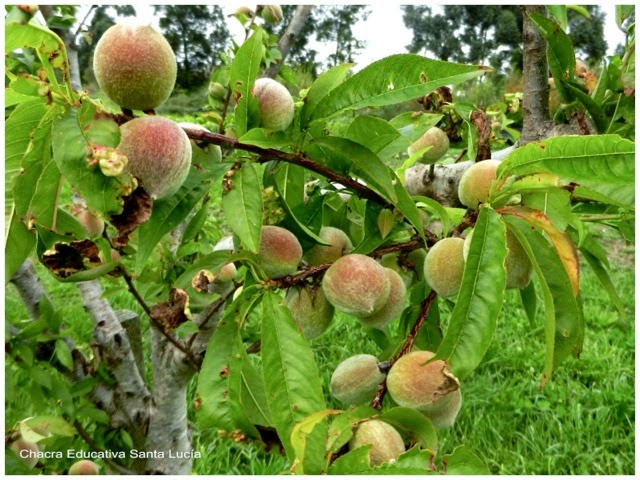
{"x":475,"y":183}
{"x":356,"y":379}
{"x":444,"y":266}
{"x":339,"y":246}
{"x":386,"y":443}
{"x":414,"y":383}
{"x":357,"y":285}
{"x":393,"y":306}
{"x":158,"y":153}
{"x":274,"y":104}
{"x":135,"y":66}
{"x":279,"y":252}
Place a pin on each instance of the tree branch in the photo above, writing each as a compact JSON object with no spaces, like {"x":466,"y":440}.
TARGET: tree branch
{"x":267,"y":154}
{"x":406,"y":347}
{"x":289,"y":36}
{"x":535,"y":75}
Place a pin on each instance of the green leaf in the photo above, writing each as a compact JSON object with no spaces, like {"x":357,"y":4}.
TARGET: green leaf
{"x":350,"y":158}
{"x":72,"y":133}
{"x":242,"y":206}
{"x":90,"y":274}
{"x":48,"y":425}
{"x":341,"y":427}
{"x":308,"y":439}
{"x":529,"y":302}
{"x":213,"y":381}
{"x":18,"y":246}
{"x":243,"y":73}
{"x":415,"y":124}
{"x":386,"y":221}
{"x":474,"y":318}
{"x":623,"y":12}
{"x":352,"y":463}
{"x":595,"y":110}
{"x":290,"y":373}
{"x":319,"y":89}
{"x":44,"y":203}
{"x":263,"y":138}
{"x":253,"y":396}
{"x":392,"y":80}
{"x":63,"y":354}
{"x":560,"y":14}
{"x":604,"y":159}
{"x":413,"y":424}
{"x":464,"y":462}
{"x":564,"y":325}
{"x":238,"y":362}
{"x":560,"y":52}
{"x":412,"y":462}
{"x":620,"y":196}
{"x":376,"y":134}
{"x":437,"y":208}
{"x":605,"y":280}
{"x":168,"y":213}
{"x":18,"y":128}
{"x":407,"y":207}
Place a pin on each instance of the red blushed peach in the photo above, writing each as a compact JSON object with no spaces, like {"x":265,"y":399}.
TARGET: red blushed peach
{"x":280,"y":252}
{"x":135,"y":66}
{"x":158,"y":153}
{"x":357,"y":285}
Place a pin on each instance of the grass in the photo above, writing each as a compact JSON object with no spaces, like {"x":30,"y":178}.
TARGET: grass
{"x":582,"y":422}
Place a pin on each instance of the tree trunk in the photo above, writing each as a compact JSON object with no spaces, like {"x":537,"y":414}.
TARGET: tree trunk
{"x":168,"y":428}
{"x":535,"y":75}
{"x":290,"y":34}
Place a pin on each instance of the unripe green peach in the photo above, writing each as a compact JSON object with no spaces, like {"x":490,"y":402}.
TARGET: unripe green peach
{"x":310,"y":309}
{"x":414,"y":383}
{"x":436,"y":139}
{"x":92,"y":223}
{"x":271,"y":14}
{"x":446,"y":417}
{"x":227,"y":273}
{"x":517,"y":264}
{"x":217,"y":90}
{"x":356,"y":379}
{"x":391,"y":260}
{"x":339,"y":245}
{"x":159,"y":154}
{"x":280,"y":252}
{"x":476,"y":182}
{"x":417,"y":257}
{"x":357,"y":285}
{"x":274,"y":104}
{"x":84,"y":467}
{"x":135,"y":66}
{"x":393,"y":306}
{"x":444,"y":266}
{"x":211,"y":153}
{"x":25,"y":450}
{"x":386,"y":443}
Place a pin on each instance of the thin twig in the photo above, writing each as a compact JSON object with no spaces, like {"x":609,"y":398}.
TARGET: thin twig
{"x":156,"y":322}
{"x":406,"y":347}
{"x":211,"y":310}
{"x":114,"y":465}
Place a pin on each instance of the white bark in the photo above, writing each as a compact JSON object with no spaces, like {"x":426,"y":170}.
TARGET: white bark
{"x":168,"y":427}
{"x":442,"y":184}
{"x":286,"y":41}
{"x":130,"y":396}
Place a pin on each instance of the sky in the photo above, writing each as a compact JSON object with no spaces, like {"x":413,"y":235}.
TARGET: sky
{"x":384,"y":30}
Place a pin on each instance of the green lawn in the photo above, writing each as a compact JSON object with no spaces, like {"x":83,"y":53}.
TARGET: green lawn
{"x":582,"y":422}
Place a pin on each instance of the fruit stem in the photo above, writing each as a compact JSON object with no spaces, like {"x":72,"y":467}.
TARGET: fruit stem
{"x":406,"y":347}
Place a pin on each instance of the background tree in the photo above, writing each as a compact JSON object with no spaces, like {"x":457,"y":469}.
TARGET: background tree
{"x":327,"y":24}
{"x":491,"y":33}
{"x":197,"y":34}
{"x":587,"y":34}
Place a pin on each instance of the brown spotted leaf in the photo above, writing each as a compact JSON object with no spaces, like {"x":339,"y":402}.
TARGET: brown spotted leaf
{"x":137,"y":210}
